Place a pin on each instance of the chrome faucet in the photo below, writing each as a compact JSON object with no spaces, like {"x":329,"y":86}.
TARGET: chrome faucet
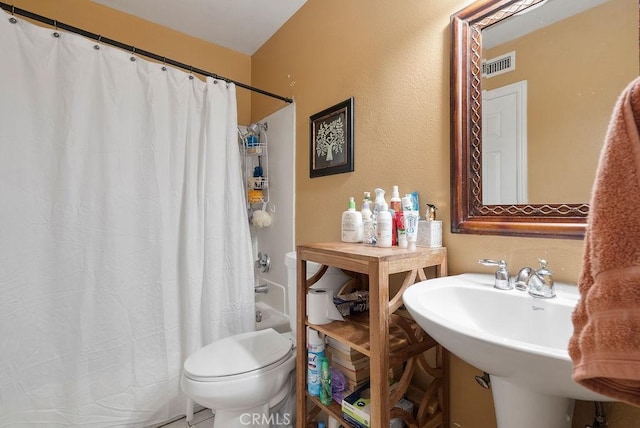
{"x":538,"y":283}
{"x":502,"y":274}
{"x":262,"y":288}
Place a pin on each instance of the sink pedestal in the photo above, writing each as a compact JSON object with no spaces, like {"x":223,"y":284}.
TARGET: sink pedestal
{"x":523,"y":408}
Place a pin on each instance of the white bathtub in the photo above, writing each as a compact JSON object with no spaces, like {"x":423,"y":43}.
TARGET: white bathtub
{"x":271,"y":318}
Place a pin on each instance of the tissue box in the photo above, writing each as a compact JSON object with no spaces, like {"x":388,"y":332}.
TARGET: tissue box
{"x":355,"y":408}
{"x":352,"y":303}
{"x":429,"y":233}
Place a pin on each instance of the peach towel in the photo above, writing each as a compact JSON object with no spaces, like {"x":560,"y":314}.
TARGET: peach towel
{"x":605,"y":346}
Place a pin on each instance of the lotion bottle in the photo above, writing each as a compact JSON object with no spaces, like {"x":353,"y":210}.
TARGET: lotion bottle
{"x":352,"y":229}
{"x":384,"y":226}
{"x":366,"y":200}
{"x":368,"y":231}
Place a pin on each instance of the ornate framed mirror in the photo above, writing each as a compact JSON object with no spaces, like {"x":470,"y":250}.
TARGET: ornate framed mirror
{"x":534,"y":182}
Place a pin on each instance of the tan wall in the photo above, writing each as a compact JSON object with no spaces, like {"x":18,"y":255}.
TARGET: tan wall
{"x":145,"y":35}
{"x":395,"y":62}
{"x":591,"y":57}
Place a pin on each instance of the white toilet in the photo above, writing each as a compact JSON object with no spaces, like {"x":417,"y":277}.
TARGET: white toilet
{"x":245,"y":378}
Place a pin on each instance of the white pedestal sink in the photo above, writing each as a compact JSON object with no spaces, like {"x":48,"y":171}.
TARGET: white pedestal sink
{"x":519,"y":340}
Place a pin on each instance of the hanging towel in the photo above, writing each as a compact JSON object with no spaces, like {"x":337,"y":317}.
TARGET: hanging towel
{"x":605,"y":346}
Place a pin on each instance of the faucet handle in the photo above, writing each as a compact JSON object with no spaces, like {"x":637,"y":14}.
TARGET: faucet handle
{"x":502,"y":274}
{"x":543,"y":268}
{"x":543,"y":286}
{"x":546,"y":275}
{"x":488,"y":262}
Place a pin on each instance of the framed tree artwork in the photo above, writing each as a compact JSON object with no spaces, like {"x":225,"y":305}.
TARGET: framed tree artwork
{"x":331,"y":140}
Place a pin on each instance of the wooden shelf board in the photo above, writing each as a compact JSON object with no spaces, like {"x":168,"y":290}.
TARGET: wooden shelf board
{"x":354,"y":331}
{"x":334,"y":409}
{"x":361,"y":256}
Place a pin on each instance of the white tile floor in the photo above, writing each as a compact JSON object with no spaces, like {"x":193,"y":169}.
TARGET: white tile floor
{"x":201,"y":419}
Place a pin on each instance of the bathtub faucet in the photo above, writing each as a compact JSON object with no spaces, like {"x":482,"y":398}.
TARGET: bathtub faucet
{"x":262,"y":288}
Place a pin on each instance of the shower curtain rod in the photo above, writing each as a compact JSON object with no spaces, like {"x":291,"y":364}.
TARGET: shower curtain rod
{"x":59,"y":25}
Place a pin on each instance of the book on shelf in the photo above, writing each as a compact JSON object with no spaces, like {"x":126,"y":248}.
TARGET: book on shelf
{"x":352,"y":385}
{"x":344,"y":348}
{"x":353,"y":363}
{"x":354,"y":375}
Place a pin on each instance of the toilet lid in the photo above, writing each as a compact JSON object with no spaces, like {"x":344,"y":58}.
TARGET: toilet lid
{"x":238,"y":354}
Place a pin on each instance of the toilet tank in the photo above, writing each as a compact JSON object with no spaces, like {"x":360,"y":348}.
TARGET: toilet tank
{"x":333,"y":279}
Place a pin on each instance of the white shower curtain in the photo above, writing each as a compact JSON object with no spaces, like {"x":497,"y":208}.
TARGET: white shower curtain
{"x":124,"y":244}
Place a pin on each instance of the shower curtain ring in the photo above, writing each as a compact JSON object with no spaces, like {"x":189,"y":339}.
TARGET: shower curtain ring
{"x":56,"y":34}
{"x":13,"y":19}
{"x":133,"y":51}
{"x":96,"y":46}
{"x":164,"y":60}
{"x":191,"y":72}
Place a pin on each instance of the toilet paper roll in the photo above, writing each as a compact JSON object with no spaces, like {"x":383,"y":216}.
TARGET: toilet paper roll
{"x":320,"y":307}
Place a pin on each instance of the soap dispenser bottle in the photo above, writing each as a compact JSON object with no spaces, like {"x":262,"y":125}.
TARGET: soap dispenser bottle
{"x":352,"y":223}
{"x":377,"y":205}
{"x":384,"y":227}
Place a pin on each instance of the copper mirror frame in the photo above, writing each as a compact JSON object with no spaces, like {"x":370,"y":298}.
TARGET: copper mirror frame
{"x":468,"y":214}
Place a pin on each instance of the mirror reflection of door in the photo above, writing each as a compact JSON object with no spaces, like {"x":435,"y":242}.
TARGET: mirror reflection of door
{"x":504,"y":145}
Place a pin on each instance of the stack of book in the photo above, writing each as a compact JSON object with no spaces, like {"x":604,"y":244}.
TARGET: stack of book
{"x":353,"y":364}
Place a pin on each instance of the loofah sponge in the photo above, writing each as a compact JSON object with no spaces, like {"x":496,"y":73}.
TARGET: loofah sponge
{"x":261,"y":218}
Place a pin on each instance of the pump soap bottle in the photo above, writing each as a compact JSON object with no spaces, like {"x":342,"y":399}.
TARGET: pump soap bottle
{"x":377,"y":205}
{"x":352,"y":227}
{"x":384,"y":226}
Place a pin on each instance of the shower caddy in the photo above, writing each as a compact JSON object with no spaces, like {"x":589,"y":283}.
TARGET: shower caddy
{"x":256,"y":164}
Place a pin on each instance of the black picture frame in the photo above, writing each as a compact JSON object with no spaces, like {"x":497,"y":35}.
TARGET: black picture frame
{"x":331,"y":140}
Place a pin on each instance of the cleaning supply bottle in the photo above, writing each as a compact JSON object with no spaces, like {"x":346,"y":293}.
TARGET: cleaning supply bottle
{"x":368,"y":232}
{"x":395,"y":203}
{"x":384,"y":226}
{"x":325,"y":382}
{"x":315,"y":353}
{"x":352,"y":228}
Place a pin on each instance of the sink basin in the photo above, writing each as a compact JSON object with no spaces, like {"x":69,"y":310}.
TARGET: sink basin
{"x":519,"y":340}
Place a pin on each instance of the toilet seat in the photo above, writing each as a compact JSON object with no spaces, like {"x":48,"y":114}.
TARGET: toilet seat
{"x":241,"y":355}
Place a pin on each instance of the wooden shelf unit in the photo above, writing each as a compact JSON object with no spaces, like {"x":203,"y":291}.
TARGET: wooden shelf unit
{"x":375,"y":333}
